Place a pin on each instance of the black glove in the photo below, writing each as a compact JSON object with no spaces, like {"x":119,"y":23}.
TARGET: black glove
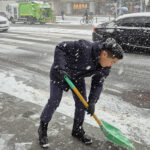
{"x":61,"y":73}
{"x":91,"y":108}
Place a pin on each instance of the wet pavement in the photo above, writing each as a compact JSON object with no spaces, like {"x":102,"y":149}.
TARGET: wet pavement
{"x":137,"y":98}
{"x":20,"y":121}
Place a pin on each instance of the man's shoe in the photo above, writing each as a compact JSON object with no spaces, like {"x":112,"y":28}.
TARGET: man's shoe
{"x":42,"y":131}
{"x":79,"y":133}
{"x":84,"y":138}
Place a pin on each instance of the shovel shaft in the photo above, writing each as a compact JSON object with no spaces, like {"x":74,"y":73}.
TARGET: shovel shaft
{"x":81,"y":97}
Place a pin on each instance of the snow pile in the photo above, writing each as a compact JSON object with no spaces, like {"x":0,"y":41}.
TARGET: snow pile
{"x":134,"y":122}
{"x":19,"y":89}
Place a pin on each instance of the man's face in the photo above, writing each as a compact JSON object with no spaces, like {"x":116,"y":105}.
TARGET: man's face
{"x":106,"y":61}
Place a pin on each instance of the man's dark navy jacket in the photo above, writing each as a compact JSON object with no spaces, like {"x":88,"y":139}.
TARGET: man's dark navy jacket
{"x":80,"y":59}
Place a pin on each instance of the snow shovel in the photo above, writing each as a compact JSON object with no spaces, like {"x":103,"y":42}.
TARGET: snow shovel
{"x":111,"y":132}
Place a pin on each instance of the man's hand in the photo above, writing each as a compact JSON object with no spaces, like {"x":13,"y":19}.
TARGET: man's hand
{"x":91,"y":108}
{"x":61,"y":73}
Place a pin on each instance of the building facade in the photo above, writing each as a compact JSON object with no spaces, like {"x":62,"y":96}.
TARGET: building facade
{"x":4,"y":3}
{"x":73,"y":7}
{"x":95,"y":7}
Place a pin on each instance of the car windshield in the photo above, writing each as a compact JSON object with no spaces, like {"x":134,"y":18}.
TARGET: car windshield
{"x":110,"y":24}
{"x":134,"y":22}
{"x":2,"y":14}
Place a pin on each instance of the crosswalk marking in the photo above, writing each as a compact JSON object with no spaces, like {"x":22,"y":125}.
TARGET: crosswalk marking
{"x":16,"y":41}
{"x":8,"y":33}
{"x":4,"y":139}
{"x":27,"y":37}
{"x":51,"y":30}
{"x":31,"y":38}
{"x":54,"y":35}
{"x":37,"y":39}
{"x":13,"y":50}
{"x":46,"y":37}
{"x":7,"y":46}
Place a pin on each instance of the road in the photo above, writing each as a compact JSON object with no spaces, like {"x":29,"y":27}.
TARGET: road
{"x":26,"y":53}
{"x":130,"y":77}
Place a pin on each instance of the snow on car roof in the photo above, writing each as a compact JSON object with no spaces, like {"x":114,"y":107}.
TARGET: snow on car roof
{"x":145,"y":14}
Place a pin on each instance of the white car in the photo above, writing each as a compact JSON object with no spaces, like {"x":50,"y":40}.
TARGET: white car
{"x":4,"y":23}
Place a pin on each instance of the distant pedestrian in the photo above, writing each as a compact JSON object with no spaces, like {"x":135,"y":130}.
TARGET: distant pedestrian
{"x":62,"y":14}
{"x":77,"y":60}
{"x":86,"y":15}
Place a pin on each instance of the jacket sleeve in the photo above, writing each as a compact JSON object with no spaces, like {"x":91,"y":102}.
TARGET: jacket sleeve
{"x":61,"y":51}
{"x":97,"y":85}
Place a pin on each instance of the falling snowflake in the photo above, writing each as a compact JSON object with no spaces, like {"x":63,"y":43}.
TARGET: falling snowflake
{"x":64,"y":44}
{"x":76,"y":54}
{"x":88,"y":67}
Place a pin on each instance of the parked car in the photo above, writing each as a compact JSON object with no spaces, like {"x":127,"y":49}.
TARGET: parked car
{"x":4,"y":23}
{"x":132,"y":31}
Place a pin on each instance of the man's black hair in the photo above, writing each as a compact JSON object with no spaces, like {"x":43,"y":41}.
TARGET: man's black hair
{"x":113,"y":49}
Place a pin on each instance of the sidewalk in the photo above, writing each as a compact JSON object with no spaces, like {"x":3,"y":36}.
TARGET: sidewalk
{"x":20,"y":121}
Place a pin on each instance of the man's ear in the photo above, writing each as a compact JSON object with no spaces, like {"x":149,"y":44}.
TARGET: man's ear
{"x":104,"y":54}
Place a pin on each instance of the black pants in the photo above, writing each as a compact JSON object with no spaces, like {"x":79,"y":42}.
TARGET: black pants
{"x":55,"y":98}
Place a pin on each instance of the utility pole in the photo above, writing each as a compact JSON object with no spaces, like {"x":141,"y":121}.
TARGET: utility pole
{"x":120,"y":2}
{"x":146,"y":3}
{"x":1,"y":5}
{"x":141,"y":5}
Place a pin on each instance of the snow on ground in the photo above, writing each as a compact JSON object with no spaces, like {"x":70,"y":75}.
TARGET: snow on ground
{"x":22,"y":146}
{"x":50,"y":30}
{"x":4,"y":139}
{"x":132,"y":121}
